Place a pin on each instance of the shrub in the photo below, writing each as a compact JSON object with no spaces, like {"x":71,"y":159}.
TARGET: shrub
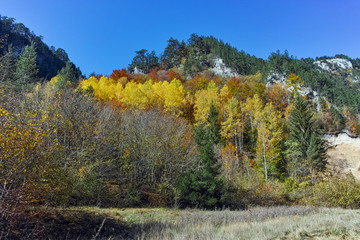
{"x":344,"y":192}
{"x":253,"y":190}
{"x":200,"y":189}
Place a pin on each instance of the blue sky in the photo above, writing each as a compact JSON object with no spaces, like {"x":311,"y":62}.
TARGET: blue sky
{"x":101,"y":36}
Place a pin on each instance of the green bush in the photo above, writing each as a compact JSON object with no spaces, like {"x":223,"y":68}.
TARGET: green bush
{"x":344,"y":192}
{"x":200,"y":189}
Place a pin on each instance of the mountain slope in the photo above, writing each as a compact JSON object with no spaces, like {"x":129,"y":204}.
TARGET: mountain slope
{"x":334,"y":78}
{"x":49,"y":60}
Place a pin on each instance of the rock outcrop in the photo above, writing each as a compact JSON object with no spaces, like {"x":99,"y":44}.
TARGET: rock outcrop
{"x":333,"y":65}
{"x":344,"y":153}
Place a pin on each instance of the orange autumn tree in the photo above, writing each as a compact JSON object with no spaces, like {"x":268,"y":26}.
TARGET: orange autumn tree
{"x":118,"y":74}
{"x":278,"y":95}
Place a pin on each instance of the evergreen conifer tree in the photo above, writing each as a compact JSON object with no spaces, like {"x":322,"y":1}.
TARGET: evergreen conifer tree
{"x":66,"y":74}
{"x":171,"y":56}
{"x":26,"y":68}
{"x":305,"y":147}
{"x":7,"y":65}
{"x":214,"y":126}
{"x":144,"y":61}
{"x":201,"y":188}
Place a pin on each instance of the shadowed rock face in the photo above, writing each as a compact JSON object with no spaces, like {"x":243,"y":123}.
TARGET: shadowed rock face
{"x":344,"y":154}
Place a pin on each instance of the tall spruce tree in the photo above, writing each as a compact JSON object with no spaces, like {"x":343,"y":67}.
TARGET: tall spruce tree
{"x":170,"y":57}
{"x":202,"y":188}
{"x":305,"y":148}
{"x":26,"y":68}
{"x":7,"y":65}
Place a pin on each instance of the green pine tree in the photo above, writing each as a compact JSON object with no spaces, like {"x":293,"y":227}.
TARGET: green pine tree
{"x":26,"y":68}
{"x":214,"y":126}
{"x":7,"y":66}
{"x":171,"y":56}
{"x":68,"y":72}
{"x":202,"y":188}
{"x":305,"y":148}
{"x":144,"y":61}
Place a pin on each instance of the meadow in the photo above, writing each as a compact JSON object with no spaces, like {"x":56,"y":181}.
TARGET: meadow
{"x":280,"y":222}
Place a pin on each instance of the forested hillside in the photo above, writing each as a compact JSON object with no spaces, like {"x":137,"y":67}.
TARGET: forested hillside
{"x":202,"y":125}
{"x":335,"y":78}
{"x":16,"y":36}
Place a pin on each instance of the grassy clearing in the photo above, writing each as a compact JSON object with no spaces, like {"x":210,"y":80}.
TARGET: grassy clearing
{"x":319,"y":224}
{"x":158,"y":223}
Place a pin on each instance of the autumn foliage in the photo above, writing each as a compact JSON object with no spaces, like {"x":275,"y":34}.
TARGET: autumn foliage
{"x":117,"y":74}
{"x":127,"y":139}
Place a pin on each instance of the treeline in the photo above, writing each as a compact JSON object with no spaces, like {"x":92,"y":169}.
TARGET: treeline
{"x":199,"y":53}
{"x":195,"y":56}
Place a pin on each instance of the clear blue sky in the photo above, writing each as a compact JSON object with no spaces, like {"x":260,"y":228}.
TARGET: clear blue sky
{"x":101,"y":36}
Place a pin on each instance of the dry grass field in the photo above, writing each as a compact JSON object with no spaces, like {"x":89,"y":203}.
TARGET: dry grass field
{"x":255,"y":223}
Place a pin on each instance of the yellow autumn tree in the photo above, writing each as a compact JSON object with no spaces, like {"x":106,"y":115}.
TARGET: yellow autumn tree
{"x":174,"y":97}
{"x":294,"y":84}
{"x":148,"y":97}
{"x":233,"y":125}
{"x":253,"y":107}
{"x":119,"y":91}
{"x":133,"y":97}
{"x":90,"y":83}
{"x":225,"y":94}
{"x":203,"y":100}
{"x":103,"y":89}
{"x":25,"y":154}
{"x":106,"y":90}
{"x":267,"y":123}
{"x":269,"y":135}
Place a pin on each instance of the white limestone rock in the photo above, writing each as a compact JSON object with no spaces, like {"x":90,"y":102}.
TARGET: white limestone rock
{"x":333,"y":65}
{"x":275,"y":77}
{"x":137,"y":71}
{"x":342,"y":138}
{"x":221,"y":69}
